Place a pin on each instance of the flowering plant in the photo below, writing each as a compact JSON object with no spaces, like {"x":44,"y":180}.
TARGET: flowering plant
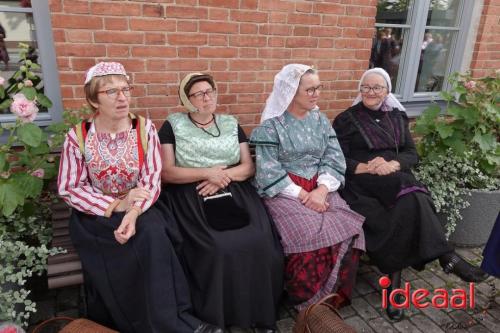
{"x":27,"y":165}
{"x":460,"y":150}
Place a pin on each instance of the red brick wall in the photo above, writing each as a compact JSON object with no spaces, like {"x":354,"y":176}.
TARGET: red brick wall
{"x":243,"y":43}
{"x":486,"y":56}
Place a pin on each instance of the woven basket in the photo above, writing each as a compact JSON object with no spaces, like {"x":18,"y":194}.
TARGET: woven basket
{"x":79,"y":325}
{"x":321,"y":317}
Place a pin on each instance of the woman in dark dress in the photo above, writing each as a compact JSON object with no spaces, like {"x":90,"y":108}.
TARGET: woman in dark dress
{"x":491,"y":253}
{"x":110,"y":175}
{"x":401,"y":226}
{"x":231,"y":254}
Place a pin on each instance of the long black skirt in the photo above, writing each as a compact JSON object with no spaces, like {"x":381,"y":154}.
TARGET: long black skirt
{"x":235,"y":276}
{"x":139,"y":286}
{"x":406,"y":234}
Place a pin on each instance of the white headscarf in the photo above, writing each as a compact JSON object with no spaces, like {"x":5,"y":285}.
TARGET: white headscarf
{"x":390,"y":102}
{"x":286,"y":83}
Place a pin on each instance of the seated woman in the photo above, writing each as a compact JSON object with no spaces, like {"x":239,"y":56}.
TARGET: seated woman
{"x":230,"y":251}
{"x":110,"y":174}
{"x":300,"y":166}
{"x":401,"y":226}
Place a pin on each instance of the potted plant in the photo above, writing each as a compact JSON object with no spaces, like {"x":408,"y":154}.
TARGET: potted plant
{"x":27,"y":165}
{"x":460,"y":156}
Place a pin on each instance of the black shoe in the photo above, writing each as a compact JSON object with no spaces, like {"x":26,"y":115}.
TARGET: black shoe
{"x":393,"y":313}
{"x":208,"y":328}
{"x":453,"y":263}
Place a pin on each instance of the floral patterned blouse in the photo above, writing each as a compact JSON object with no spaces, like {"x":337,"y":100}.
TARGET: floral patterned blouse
{"x":110,"y":168}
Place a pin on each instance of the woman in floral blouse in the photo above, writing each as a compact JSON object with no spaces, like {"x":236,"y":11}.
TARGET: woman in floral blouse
{"x":110,"y":175}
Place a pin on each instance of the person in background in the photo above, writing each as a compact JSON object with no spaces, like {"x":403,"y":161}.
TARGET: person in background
{"x":401,"y":227}
{"x":231,"y":253}
{"x":4,"y":55}
{"x":300,"y":167}
{"x":110,"y":175}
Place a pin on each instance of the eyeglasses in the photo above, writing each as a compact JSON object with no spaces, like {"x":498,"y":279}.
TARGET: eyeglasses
{"x":311,"y":91}
{"x":114,"y":92}
{"x":200,"y":95}
{"x":376,"y":89}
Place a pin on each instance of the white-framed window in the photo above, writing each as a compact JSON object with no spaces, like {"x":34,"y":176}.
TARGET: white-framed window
{"x":29,"y":22}
{"x":420,"y":43}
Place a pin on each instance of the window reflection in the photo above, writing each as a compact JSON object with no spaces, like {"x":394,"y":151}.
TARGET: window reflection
{"x":392,"y":11}
{"x":443,"y":13}
{"x":386,"y":51}
{"x":433,"y":60}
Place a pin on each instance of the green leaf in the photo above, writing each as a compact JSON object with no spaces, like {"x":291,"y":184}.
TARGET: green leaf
{"x":30,"y":134}
{"x":2,"y":92}
{"x":10,"y":197}
{"x":44,"y":100}
{"x":444,"y":130}
{"x":486,"y":141}
{"x":3,"y":161}
{"x":456,"y":143}
{"x":5,"y":104}
{"x":29,"y":92}
{"x":41,"y":149}
{"x":31,"y":186}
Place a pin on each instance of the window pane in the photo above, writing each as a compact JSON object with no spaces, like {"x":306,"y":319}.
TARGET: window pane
{"x":434,"y":56}
{"x":443,"y":13}
{"x":16,"y":28}
{"x":392,"y":11}
{"x":386,"y":51}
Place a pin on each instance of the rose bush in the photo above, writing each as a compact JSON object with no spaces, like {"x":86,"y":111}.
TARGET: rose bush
{"x":28,"y":163}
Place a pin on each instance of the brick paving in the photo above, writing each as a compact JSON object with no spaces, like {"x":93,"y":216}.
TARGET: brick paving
{"x":365,"y":313}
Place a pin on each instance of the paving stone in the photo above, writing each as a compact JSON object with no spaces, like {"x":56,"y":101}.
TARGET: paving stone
{"x":408,"y":275}
{"x":285,"y":325}
{"x":488,"y":321}
{"x":380,"y":325}
{"x":485,"y":288}
{"x":468,"y":255}
{"x":425,"y":324}
{"x":239,"y":330}
{"x":439,"y":316}
{"x":419,"y":283}
{"x":495,"y":312}
{"x":405,"y":326}
{"x":364,"y":309}
{"x":359,"y":324}
{"x":362,"y":287}
{"x":347,"y":311}
{"x":478,"y":329}
{"x":432,"y":279}
{"x":374,"y":299}
{"x":462,"y":317}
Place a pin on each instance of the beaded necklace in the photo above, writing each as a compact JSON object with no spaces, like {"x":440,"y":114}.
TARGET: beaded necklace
{"x":198,"y":124}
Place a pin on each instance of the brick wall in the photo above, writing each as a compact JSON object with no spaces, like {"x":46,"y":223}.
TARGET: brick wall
{"x":243,"y":43}
{"x":486,"y":56}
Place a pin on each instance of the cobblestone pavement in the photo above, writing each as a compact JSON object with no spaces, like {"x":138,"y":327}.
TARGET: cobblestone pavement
{"x":365,"y":313}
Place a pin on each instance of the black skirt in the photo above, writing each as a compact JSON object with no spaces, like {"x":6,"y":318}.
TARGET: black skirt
{"x":408,"y":233}
{"x":235,"y":276}
{"x":139,"y":286}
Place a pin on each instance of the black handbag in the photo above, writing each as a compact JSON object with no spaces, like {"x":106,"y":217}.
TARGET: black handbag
{"x":223,"y":213}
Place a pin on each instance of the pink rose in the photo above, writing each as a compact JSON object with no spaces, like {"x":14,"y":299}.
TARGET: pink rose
{"x":25,"y":109}
{"x":470,"y":85}
{"x":38,"y":173}
{"x":28,"y":83}
{"x":2,"y":81}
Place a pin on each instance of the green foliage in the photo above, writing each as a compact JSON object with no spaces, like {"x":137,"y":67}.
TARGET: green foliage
{"x":28,"y":163}
{"x":460,"y":150}
{"x":471,"y":123}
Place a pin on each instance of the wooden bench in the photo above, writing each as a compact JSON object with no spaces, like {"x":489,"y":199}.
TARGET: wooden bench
{"x":63,"y":269}
{"x":66,"y":269}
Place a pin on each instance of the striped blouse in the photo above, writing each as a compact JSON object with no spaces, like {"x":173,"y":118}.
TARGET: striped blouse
{"x":93,"y":183}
